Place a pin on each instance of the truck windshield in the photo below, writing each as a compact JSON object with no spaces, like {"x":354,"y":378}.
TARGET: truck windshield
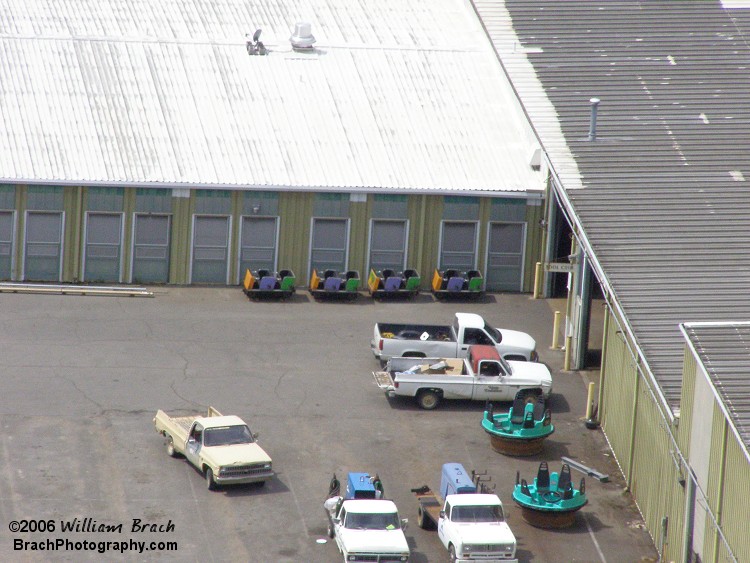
{"x":482,"y":513}
{"x":227,"y":435}
{"x":379,"y":521}
{"x":493,"y":332}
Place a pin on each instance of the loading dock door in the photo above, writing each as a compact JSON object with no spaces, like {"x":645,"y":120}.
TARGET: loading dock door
{"x":103,"y":252}
{"x":151,"y":248}
{"x":458,"y":245}
{"x":43,"y":246}
{"x":505,"y":248}
{"x":388,"y":245}
{"x":210,"y":263}
{"x":258,"y":248}
{"x":6,"y":245}
{"x":330,"y":239}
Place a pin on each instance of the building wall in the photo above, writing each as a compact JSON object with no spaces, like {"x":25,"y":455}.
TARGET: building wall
{"x":295,"y":212}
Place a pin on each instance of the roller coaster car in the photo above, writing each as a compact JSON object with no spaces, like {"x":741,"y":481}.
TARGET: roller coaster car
{"x":452,"y":283}
{"x":521,"y":430}
{"x":389,"y":283}
{"x":550,"y":501}
{"x":265,"y":283}
{"x":332,"y":285}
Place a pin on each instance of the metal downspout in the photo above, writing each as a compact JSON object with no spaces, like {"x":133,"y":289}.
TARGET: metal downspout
{"x":584,"y":314}
{"x":720,"y":488}
{"x":634,"y":411}
{"x":602,"y":368}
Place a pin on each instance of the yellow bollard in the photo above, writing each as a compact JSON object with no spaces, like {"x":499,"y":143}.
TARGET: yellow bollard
{"x":556,"y":331}
{"x":568,"y":343}
{"x":590,"y":401}
{"x":537,"y":280}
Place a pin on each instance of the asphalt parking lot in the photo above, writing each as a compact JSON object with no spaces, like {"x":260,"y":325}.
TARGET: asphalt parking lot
{"x":83,"y":377}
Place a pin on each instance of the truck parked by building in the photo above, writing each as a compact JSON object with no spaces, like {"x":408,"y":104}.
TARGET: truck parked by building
{"x":391,"y":340}
{"x":482,"y":376}
{"x":365,"y":525}
{"x":471,"y":524}
{"x":222,"y":448}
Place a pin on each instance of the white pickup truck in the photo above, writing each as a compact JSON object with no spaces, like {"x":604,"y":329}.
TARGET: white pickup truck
{"x":221,"y":447}
{"x":365,"y":526}
{"x":483,"y":376}
{"x":470,"y":524}
{"x":392,"y":340}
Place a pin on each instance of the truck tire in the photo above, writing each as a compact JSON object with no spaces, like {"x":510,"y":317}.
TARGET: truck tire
{"x":451,"y":553}
{"x":424,"y":521}
{"x":170,"y":447}
{"x":210,"y":483}
{"x":428,"y":399}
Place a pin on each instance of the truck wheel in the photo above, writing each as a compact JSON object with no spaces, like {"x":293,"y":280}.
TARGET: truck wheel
{"x":423,"y":521}
{"x":428,"y":399}
{"x":210,"y":483}
{"x":170,"y":447}
{"x":451,"y":553}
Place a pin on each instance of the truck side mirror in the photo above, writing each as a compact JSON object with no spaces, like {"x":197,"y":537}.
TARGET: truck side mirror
{"x":256,"y":435}
{"x":442,"y":514}
{"x":404,"y":523}
{"x":337,"y":521}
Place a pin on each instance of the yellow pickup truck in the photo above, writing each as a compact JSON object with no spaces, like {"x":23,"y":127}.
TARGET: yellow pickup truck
{"x":222,"y":448}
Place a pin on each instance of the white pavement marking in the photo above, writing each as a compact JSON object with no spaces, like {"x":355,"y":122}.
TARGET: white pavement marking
{"x":593,"y":539}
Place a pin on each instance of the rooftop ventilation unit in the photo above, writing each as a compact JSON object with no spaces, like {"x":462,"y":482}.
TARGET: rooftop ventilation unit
{"x":302,"y":38}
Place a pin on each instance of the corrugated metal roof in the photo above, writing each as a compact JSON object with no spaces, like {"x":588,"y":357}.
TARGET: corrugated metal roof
{"x":662,"y":194}
{"x":723,"y":350}
{"x":397,"y":94}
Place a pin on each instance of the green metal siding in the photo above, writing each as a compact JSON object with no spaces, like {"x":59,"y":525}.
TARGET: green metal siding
{"x":735,"y":495}
{"x":425,"y":215}
{"x":359,"y":229}
{"x":689,"y":373}
{"x":534,"y":243}
{"x":618,"y":395}
{"x":7,"y":197}
{"x":295,"y":210}
{"x":655,"y":479}
{"x":179,"y":257}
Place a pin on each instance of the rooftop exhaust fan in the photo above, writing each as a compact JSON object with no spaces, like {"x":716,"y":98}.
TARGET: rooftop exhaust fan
{"x":302,"y":38}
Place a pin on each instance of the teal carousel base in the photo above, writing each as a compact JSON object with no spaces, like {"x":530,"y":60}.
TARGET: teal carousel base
{"x":550,"y":501}
{"x":522,"y":430}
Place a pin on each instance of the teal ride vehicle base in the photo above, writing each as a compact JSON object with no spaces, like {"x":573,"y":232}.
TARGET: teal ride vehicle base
{"x":550,"y":501}
{"x":521,"y":430}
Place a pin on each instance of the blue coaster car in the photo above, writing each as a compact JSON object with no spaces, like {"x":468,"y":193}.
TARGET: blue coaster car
{"x":333,"y":285}
{"x":521,"y":430}
{"x":455,"y":284}
{"x":550,"y":501}
{"x":265,"y":283}
{"x":389,"y":283}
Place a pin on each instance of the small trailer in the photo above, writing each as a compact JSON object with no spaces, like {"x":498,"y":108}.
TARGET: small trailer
{"x":267,"y":284}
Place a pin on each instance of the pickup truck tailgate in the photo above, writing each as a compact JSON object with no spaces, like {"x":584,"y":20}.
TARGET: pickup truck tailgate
{"x":383,"y":379}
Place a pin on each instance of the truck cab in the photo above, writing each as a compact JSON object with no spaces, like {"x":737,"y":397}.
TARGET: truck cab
{"x":366,"y":526}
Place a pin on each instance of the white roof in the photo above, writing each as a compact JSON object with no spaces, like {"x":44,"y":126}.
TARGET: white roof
{"x":370,"y":506}
{"x":219,"y":421}
{"x":473,"y":499}
{"x":402,"y":94}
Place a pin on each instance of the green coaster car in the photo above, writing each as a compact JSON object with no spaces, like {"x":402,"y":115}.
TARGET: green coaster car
{"x":264,"y":283}
{"x":388,"y":283}
{"x":521,"y":430}
{"x":332,"y":285}
{"x":550,"y":501}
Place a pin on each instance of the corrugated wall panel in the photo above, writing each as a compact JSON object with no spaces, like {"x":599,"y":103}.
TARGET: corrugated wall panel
{"x":358,"y":239}
{"x":689,"y":373}
{"x":533,"y":254}
{"x":735,"y":499}
{"x":619,"y":390}
{"x":655,"y":478}
{"x":295,"y":209}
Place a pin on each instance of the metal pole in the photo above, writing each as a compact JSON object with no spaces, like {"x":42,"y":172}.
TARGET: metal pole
{"x":556,"y":331}
{"x":537,"y":280}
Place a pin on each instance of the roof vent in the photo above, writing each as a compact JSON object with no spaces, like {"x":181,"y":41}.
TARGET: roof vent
{"x":302,"y":38}
{"x":592,"y":126}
